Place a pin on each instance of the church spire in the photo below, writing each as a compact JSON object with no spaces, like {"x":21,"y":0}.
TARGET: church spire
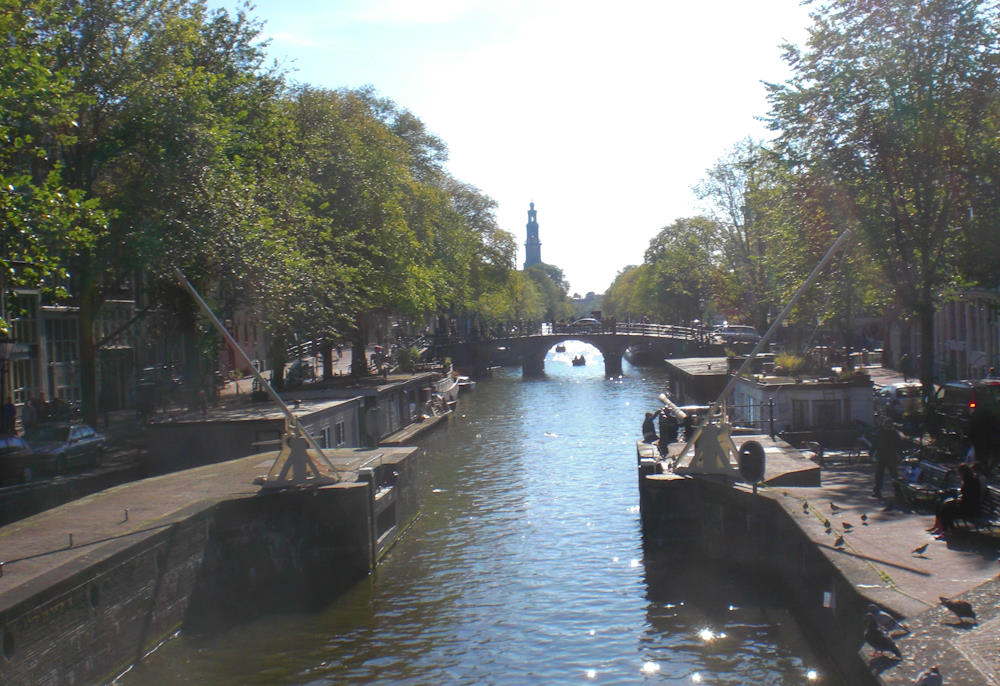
{"x":532,"y":246}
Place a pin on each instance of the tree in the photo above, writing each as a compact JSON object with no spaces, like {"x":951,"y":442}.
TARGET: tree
{"x":552,"y":285}
{"x":735,"y":188}
{"x":895,"y":105}
{"x":41,"y":219}
{"x":631,"y":294}
{"x":682,"y":260}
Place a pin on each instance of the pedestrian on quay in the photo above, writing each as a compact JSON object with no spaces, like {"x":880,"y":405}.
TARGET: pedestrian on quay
{"x":905,"y":367}
{"x":649,"y":427}
{"x":668,"y":430}
{"x":886,"y":456}
{"x":8,"y":417}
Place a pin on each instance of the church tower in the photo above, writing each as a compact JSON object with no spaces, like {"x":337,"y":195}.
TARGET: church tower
{"x":532,"y":247}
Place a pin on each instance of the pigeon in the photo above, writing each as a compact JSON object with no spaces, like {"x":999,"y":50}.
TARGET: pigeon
{"x":864,"y":519}
{"x":920,"y":549}
{"x":826,"y":523}
{"x":805,"y":506}
{"x":879,"y":640}
{"x":962,"y":608}
{"x":847,"y":526}
{"x":839,"y":541}
{"x":833,"y":507}
{"x":886,"y":622}
{"x":929,"y":677}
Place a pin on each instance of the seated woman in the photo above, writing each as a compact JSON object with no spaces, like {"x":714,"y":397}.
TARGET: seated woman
{"x":966,"y":505}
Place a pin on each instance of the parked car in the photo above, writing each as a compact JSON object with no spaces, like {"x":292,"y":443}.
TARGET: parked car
{"x":16,"y":459}
{"x":300,"y":371}
{"x":736,"y":333}
{"x":955,"y":401}
{"x":58,"y":447}
{"x":586,"y":324}
{"x":897,"y":399}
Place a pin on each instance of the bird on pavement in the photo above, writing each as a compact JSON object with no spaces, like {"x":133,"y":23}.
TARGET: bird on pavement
{"x":886,"y":622}
{"x":834,"y":507}
{"x":847,"y":526}
{"x":879,"y":640}
{"x":929,"y":677}
{"x":826,"y":523}
{"x":839,"y":541}
{"x":920,"y":549}
{"x":864,"y":519}
{"x":961,"y":608}
{"x":805,"y":506}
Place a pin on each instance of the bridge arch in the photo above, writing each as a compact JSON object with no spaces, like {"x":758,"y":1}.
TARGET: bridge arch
{"x":532,"y":348}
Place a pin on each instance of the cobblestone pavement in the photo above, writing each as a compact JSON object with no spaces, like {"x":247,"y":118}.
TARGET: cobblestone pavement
{"x":878,"y":558}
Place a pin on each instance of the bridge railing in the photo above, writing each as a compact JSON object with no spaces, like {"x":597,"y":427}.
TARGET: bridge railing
{"x":549,"y":329}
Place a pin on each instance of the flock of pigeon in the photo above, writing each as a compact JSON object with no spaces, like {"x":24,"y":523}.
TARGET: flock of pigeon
{"x":881,"y":628}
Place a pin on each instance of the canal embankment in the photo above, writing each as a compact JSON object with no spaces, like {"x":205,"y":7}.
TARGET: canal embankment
{"x":90,"y":587}
{"x":837,"y":549}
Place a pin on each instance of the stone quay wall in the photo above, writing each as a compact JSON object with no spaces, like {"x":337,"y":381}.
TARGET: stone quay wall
{"x":732,"y":525}
{"x":203,"y":568}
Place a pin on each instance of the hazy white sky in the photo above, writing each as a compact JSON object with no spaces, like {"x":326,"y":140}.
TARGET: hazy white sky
{"x":603,"y":114}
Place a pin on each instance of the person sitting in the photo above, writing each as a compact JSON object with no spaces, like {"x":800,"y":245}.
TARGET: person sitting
{"x":649,"y":427}
{"x":966,"y":505}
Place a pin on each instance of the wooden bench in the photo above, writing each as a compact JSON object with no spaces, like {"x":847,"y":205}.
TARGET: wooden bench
{"x":927,"y":482}
{"x":989,"y":514}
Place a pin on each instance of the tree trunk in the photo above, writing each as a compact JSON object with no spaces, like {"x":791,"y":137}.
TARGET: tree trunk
{"x":359,"y":347}
{"x":326,"y":352}
{"x":88,"y":355}
{"x":925,"y":312}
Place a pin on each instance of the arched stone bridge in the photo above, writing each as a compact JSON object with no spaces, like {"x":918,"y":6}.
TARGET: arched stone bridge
{"x":673,"y":341}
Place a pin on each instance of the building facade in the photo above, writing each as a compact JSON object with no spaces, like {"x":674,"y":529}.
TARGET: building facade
{"x":966,"y":336}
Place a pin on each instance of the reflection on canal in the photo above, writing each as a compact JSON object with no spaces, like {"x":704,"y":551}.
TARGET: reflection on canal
{"x":525,"y":566}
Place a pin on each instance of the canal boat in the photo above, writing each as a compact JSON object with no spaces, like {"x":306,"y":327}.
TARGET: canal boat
{"x":560,"y":348}
{"x":579,"y":361}
{"x":643,"y":355}
{"x":465,"y":383}
{"x":447,"y":388}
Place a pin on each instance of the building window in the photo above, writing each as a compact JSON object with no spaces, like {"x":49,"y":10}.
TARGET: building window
{"x":339,"y":434}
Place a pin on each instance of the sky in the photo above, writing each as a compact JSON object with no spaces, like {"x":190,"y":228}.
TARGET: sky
{"x":605,"y":115}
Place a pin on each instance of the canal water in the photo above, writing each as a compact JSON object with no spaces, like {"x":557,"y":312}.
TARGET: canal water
{"x":526,"y":565}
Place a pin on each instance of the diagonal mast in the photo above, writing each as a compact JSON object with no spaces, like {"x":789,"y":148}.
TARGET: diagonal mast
{"x":687,"y":456}
{"x":297,"y":459}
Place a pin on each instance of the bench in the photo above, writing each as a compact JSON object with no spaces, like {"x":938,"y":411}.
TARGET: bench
{"x":923,"y":481}
{"x":989,"y":514}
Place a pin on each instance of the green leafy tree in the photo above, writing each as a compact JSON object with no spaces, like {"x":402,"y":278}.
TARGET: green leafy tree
{"x":682,"y":260}
{"x":747,"y":242}
{"x":894,"y":105}
{"x":631,"y":294}
{"x":41,"y":219}
{"x":553,"y":287}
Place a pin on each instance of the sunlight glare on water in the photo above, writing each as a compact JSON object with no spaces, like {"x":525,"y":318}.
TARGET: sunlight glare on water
{"x":526,"y":565}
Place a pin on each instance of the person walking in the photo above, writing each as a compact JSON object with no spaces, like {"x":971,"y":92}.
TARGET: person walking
{"x":905,"y":366}
{"x":886,"y":456}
